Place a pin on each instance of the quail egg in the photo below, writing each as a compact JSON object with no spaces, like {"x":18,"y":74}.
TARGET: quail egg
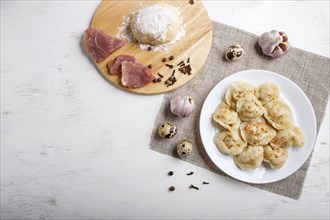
{"x":234,"y":52}
{"x":167,"y":130}
{"x":184,"y":148}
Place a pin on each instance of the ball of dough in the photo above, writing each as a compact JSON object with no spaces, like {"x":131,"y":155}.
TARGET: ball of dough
{"x":155,"y":24}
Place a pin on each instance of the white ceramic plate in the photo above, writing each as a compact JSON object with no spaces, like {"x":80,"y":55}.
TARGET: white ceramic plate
{"x":303,"y":117}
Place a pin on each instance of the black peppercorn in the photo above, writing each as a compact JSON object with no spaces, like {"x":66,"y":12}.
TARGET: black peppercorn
{"x":172,"y":188}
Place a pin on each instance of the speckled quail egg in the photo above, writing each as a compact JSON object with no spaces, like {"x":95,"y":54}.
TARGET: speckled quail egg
{"x":234,"y":52}
{"x":167,"y":130}
{"x":184,"y":148}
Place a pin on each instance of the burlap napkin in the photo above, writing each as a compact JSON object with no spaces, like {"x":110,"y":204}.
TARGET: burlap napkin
{"x":309,"y":71}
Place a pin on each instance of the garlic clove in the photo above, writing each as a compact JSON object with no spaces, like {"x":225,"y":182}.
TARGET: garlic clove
{"x":182,"y":106}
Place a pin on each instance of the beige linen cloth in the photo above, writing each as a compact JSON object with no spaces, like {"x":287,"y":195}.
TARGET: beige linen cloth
{"x":309,"y":71}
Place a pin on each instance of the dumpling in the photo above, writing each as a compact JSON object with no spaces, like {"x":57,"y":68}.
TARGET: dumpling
{"x":229,"y":142}
{"x":249,"y":108}
{"x":278,"y":114}
{"x":238,"y":90}
{"x":267,"y":91}
{"x":275,"y":158}
{"x":291,"y":136}
{"x":226,"y":117}
{"x":250,"y":158}
{"x":257,"y":132}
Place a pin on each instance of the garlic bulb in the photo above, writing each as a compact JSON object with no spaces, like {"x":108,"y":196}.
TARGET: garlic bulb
{"x":274,"y":43}
{"x":182,"y":106}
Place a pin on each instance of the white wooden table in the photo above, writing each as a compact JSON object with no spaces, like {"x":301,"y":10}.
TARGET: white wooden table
{"x":71,"y":147}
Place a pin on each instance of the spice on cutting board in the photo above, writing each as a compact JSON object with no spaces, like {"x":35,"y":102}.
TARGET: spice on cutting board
{"x":169,"y":65}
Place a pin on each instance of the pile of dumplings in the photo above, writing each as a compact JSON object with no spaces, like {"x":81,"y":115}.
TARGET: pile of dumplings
{"x":257,"y":126}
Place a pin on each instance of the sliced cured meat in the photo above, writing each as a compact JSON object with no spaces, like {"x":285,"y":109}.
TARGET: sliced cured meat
{"x":135,"y":75}
{"x":114,"y":66}
{"x":100,"y":45}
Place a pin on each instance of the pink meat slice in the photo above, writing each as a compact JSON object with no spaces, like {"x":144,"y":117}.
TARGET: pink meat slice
{"x":100,"y":45}
{"x":114,"y":66}
{"x":135,"y":75}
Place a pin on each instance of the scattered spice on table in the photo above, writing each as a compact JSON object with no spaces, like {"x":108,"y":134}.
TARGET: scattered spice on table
{"x":193,"y":187}
{"x":188,"y":61}
{"x":150,"y":66}
{"x":191,"y":2}
{"x":149,"y":48}
{"x":172,"y":188}
{"x":171,"y":57}
{"x":160,"y":75}
{"x":191,"y":173}
{"x":205,"y":182}
{"x":170,"y":173}
{"x":164,"y":59}
{"x":182,"y":62}
{"x":159,"y":79}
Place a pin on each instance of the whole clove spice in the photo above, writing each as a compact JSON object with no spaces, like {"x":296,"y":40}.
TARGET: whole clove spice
{"x":173,"y":73}
{"x":193,"y":187}
{"x":188,"y":61}
{"x":160,"y":75}
{"x":170,"y":81}
{"x":149,"y":66}
{"x":205,"y":182}
{"x":164,"y":59}
{"x":191,"y":173}
{"x":149,"y":48}
{"x":174,"y":80}
{"x":169,"y":65}
{"x":182,"y":62}
{"x":171,"y":57}
{"x":172,"y":188}
{"x":186,"y":69}
{"x":191,"y":2}
{"x":159,"y":79}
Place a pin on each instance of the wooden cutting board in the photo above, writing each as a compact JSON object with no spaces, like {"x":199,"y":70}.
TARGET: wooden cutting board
{"x":194,"y":45}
